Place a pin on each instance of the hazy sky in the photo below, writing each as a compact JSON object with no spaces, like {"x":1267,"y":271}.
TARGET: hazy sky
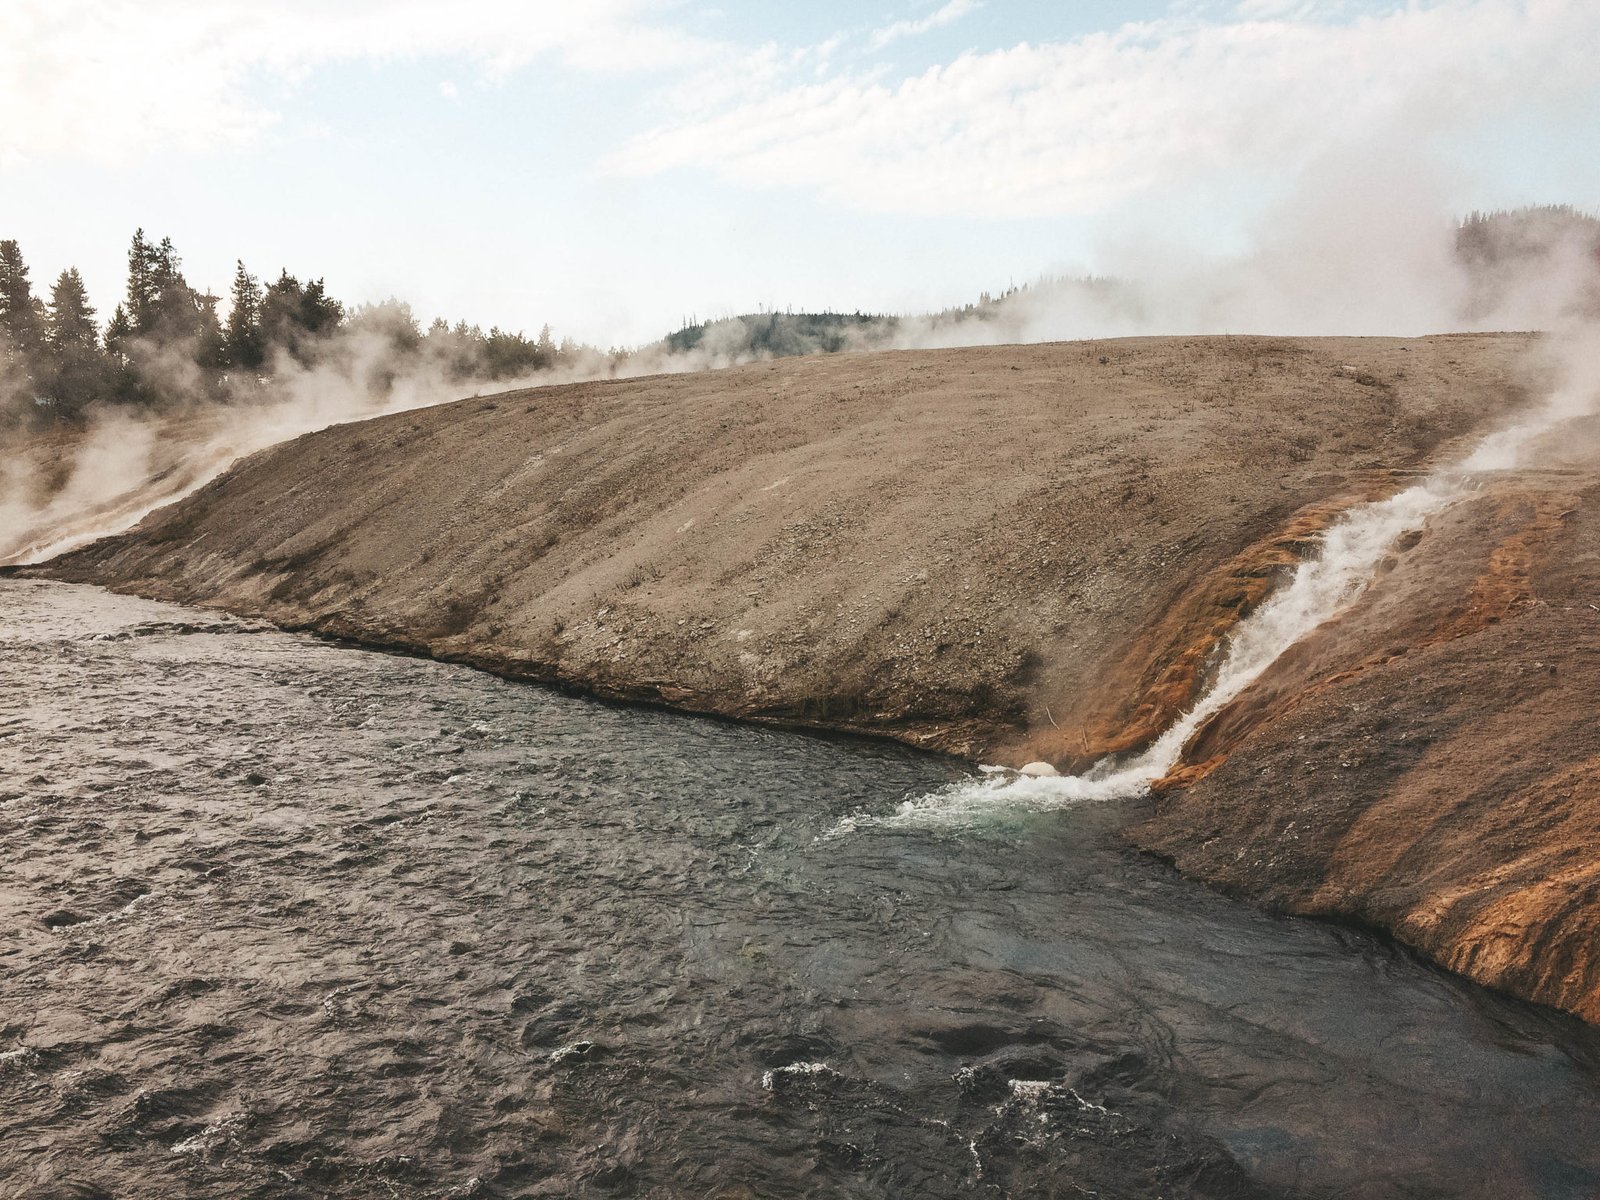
{"x":610,"y":166}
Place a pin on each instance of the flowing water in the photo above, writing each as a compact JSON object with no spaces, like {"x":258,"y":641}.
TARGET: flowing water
{"x":1323,"y":585}
{"x":280,"y":918}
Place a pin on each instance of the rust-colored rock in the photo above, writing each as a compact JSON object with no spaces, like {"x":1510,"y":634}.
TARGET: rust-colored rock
{"x":1165,"y":670}
{"x":1430,"y":763}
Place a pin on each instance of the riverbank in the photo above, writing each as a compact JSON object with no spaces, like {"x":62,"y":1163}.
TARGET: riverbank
{"x":1008,"y":554}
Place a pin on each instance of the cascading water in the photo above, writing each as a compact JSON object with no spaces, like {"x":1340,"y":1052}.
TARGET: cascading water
{"x":1322,"y":587}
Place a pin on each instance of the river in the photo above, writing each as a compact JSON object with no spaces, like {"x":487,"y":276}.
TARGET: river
{"x":284,"y":918}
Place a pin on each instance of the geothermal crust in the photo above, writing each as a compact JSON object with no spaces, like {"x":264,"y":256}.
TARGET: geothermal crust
{"x":1009,"y":553}
{"x":1429,"y":763}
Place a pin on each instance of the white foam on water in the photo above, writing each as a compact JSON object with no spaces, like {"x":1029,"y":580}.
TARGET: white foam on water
{"x":25,"y":1057}
{"x":574,"y":1050}
{"x":770,"y":1079}
{"x":213,"y":1136}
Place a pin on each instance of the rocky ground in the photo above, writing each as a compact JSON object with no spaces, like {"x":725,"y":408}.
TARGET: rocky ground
{"x":1010,"y":553}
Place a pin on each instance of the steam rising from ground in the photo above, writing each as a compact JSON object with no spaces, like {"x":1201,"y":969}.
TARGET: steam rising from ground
{"x":1366,"y":245}
{"x":60,"y":492}
{"x":1366,"y":250}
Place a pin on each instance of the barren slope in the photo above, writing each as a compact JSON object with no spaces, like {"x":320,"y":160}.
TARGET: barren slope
{"x":1009,"y":552}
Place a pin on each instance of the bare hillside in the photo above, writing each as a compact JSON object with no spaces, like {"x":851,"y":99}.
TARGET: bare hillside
{"x":1007,"y":553}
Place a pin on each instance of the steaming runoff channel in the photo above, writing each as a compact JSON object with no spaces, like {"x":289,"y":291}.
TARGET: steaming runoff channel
{"x":1323,"y":586}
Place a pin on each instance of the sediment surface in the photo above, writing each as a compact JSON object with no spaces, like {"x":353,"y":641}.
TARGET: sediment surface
{"x":1010,"y":552}
{"x":1013,"y":553}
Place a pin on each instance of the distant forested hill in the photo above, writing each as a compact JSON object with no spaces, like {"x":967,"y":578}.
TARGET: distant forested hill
{"x":1548,"y":248}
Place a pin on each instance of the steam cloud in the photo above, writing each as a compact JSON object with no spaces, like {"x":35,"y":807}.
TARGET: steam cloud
{"x":1553,"y":288}
{"x":1368,"y":248}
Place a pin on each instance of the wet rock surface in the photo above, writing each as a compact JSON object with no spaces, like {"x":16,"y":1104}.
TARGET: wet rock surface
{"x":285,"y":919}
{"x":1430,"y":762}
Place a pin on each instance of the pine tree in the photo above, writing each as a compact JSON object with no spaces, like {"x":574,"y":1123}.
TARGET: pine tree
{"x":241,"y":337}
{"x":21,"y":314}
{"x":320,"y":314}
{"x":71,"y":321}
{"x":142,"y":285}
{"x":211,"y":348}
{"x":118,"y":330}
{"x":122,"y":382}
{"x":79,"y":374}
{"x":176,"y":317}
{"x":280,"y":313}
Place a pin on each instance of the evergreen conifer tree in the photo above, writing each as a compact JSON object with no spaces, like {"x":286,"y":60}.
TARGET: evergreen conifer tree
{"x":211,"y":349}
{"x":79,"y":374}
{"x":176,"y":316}
{"x":142,"y":286}
{"x":21,"y":314}
{"x":71,"y":324}
{"x":280,"y":313}
{"x":241,"y":338}
{"x":118,"y":330}
{"x":320,"y":314}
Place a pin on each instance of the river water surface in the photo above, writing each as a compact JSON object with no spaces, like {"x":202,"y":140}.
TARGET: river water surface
{"x":281,"y":918}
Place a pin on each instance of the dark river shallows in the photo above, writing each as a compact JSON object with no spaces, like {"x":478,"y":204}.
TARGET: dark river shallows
{"x":283,"y":918}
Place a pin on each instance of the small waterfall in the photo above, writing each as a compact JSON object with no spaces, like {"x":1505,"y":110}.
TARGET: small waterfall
{"x":1323,"y":586}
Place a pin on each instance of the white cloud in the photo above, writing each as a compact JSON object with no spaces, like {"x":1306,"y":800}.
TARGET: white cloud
{"x":737,"y":77}
{"x":953,"y":11}
{"x":1076,"y":127}
{"x":112,"y":79}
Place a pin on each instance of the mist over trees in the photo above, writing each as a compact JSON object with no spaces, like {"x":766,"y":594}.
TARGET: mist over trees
{"x":1511,"y":264}
{"x":168,"y":343}
{"x":1534,"y":247}
{"x":992,"y":318}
